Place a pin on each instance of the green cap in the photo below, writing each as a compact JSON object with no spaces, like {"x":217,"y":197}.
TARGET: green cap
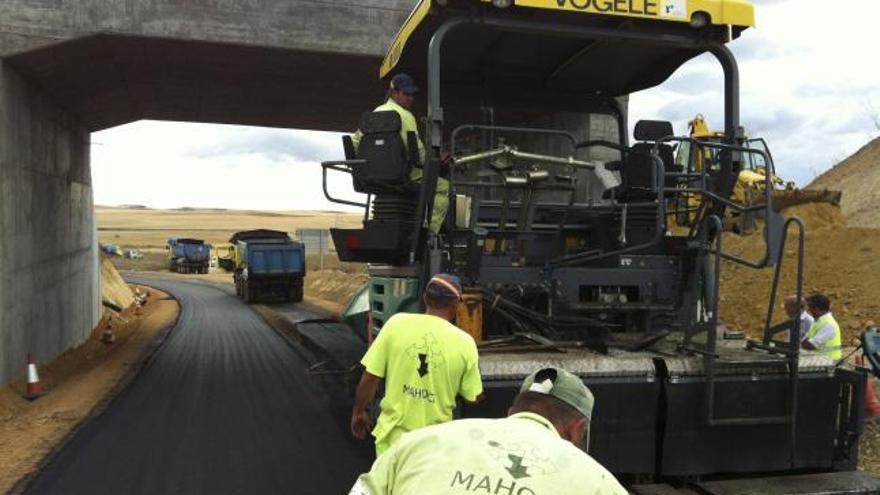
{"x":563,"y":385}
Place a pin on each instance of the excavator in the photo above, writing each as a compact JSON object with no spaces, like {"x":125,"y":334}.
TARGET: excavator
{"x":750,"y":184}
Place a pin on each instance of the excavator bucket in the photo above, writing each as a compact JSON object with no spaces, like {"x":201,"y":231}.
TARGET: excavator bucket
{"x":787,"y":198}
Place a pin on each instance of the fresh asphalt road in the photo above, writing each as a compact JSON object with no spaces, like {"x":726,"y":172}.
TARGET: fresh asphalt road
{"x":224,"y":406}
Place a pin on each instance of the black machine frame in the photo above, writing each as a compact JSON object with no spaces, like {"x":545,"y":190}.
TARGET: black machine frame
{"x":707,"y":230}
{"x":681,"y":409}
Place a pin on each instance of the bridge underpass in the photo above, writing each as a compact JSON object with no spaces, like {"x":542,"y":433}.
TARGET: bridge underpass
{"x":71,"y":68}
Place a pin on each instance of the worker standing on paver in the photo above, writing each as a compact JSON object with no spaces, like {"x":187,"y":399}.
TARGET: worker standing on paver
{"x":532,"y":451}
{"x":824,"y":334}
{"x":401,"y":99}
{"x":805,"y":321}
{"x":425,"y":361}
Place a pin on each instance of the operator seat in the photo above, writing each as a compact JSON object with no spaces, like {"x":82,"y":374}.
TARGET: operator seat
{"x":389,"y":160}
{"x":384,"y":174}
{"x":636,"y":167}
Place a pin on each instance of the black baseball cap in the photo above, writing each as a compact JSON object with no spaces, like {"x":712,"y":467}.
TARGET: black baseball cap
{"x":405,"y":83}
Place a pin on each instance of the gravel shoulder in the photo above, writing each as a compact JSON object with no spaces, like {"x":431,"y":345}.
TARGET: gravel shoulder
{"x":78,"y":384}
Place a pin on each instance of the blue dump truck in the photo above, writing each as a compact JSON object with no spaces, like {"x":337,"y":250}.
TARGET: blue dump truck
{"x":111,"y":249}
{"x":188,"y":255}
{"x":268,"y":265}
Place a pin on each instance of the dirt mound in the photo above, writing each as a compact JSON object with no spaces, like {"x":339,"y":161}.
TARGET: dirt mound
{"x":817,"y":215}
{"x":839,"y":261}
{"x":115,"y":293}
{"x":858,"y":177}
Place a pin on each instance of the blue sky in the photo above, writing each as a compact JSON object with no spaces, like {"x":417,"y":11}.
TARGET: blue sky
{"x":809,"y":85}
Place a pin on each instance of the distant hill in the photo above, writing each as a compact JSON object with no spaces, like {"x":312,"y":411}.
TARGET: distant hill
{"x":859,"y":178}
{"x":123,"y":207}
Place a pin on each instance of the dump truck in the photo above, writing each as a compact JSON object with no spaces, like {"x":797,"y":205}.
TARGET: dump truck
{"x":268,"y":265}
{"x":188,"y":255}
{"x":750,"y":183}
{"x":568,"y":257}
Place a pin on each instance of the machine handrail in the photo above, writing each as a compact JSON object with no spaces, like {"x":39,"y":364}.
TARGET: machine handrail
{"x":766,"y":206}
{"x":338,"y":165}
{"x":792,"y":353}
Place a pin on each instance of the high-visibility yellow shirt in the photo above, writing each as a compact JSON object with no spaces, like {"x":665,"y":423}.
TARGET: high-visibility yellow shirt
{"x":519,"y":455}
{"x":426,"y":362}
{"x":407,"y":124}
{"x":824,"y":333}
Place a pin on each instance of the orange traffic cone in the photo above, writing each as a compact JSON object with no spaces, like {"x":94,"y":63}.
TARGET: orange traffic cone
{"x":872,"y":405}
{"x":107,"y":337}
{"x":34,"y":389}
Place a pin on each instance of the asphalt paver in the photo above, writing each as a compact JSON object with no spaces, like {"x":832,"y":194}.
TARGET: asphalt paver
{"x":225,"y":405}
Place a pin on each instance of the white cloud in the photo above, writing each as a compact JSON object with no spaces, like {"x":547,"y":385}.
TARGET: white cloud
{"x":172,"y":164}
{"x":806,"y":79}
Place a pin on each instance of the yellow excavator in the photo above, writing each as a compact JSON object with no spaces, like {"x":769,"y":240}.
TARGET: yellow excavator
{"x":750,"y":184}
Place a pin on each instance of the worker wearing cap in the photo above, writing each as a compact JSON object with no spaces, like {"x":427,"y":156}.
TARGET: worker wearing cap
{"x":401,"y":99}
{"x":425,"y":361}
{"x":535,"y":450}
{"x":824,"y":334}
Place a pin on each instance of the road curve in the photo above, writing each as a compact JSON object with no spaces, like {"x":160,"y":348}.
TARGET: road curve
{"x":224,"y":406}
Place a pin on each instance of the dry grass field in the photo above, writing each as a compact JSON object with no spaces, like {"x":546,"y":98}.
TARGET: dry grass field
{"x":147,"y":228}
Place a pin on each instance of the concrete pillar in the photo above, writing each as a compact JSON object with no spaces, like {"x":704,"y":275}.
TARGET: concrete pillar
{"x":50,"y":297}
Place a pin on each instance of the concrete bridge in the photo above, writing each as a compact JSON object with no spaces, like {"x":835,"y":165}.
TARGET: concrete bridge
{"x":72,"y":67}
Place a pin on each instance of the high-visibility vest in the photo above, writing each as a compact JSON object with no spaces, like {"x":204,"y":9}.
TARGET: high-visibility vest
{"x":831,"y":347}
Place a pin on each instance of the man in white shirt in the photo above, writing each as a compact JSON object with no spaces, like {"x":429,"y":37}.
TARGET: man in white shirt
{"x":805,"y":320}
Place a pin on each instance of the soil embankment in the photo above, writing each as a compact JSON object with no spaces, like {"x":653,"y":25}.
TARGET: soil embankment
{"x":115,"y":293}
{"x":859,"y":178}
{"x":839,"y":261}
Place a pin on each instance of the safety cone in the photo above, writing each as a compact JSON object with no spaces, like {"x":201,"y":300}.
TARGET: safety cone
{"x":872,"y":405}
{"x":34,"y":389}
{"x":107,"y":337}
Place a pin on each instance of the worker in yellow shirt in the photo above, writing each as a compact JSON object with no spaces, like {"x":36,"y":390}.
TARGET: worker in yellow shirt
{"x":425,"y":361}
{"x":824,"y":333}
{"x":535,"y":450}
{"x":401,"y":99}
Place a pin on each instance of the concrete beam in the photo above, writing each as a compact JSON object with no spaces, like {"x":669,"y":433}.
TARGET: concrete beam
{"x":109,"y":80}
{"x":362,"y":27}
{"x":308,"y":64}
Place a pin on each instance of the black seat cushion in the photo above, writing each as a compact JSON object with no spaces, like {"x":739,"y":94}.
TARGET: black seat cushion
{"x":652,"y":130}
{"x":387,"y":162}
